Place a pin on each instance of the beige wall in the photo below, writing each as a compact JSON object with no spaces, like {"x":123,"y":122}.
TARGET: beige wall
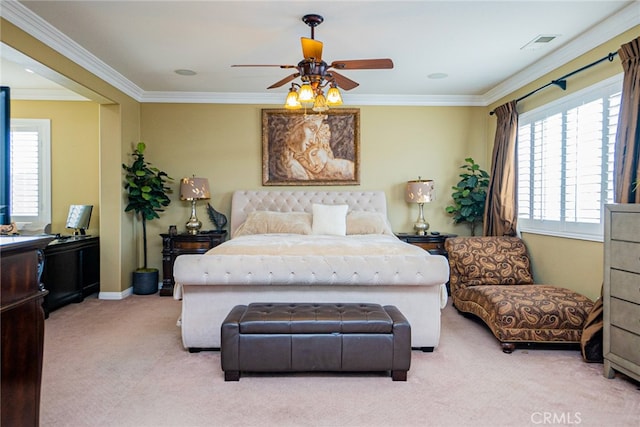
{"x":119,"y":126}
{"x":576,"y":264}
{"x":74,"y":156}
{"x":224,"y":144}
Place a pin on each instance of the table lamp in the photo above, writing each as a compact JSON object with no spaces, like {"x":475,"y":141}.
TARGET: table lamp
{"x":194,"y":189}
{"x":420,"y":191}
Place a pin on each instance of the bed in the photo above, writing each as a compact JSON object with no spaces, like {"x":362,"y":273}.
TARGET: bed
{"x":309,"y":246}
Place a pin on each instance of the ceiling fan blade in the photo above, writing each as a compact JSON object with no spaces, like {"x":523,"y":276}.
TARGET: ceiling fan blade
{"x":344,"y":82}
{"x":284,"y":81}
{"x":311,"y":48}
{"x":363,"y":64}
{"x":265,"y":65}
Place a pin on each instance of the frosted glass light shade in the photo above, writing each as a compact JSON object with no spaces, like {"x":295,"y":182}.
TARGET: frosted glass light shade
{"x":306,"y":93}
{"x":292,"y":102}
{"x":334,"y":98}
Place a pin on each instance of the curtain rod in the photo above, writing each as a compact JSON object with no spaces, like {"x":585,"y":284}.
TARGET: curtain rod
{"x":562,"y":81}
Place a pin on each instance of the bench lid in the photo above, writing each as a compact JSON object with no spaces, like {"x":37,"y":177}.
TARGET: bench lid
{"x":315,"y":318}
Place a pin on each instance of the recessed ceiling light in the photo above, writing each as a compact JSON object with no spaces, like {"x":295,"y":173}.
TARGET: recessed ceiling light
{"x":184,"y":72}
{"x":541,"y":40}
{"x":438,"y":75}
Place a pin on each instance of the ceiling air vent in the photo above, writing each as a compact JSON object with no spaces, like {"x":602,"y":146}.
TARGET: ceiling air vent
{"x":540,"y":41}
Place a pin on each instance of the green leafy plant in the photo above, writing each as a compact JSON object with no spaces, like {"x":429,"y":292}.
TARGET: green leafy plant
{"x":469,"y":195}
{"x":147,"y":190}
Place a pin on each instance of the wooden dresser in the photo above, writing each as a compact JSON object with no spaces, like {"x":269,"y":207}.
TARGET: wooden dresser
{"x":621,"y":295}
{"x":22,"y":261}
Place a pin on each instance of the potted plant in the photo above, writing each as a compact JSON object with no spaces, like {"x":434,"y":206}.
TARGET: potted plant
{"x":147,"y":190}
{"x":469,"y":195}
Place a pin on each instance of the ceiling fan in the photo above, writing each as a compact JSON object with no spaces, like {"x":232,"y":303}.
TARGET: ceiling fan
{"x":315,"y":72}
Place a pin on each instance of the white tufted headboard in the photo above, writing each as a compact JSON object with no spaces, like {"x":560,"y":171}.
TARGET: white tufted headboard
{"x":244,"y":202}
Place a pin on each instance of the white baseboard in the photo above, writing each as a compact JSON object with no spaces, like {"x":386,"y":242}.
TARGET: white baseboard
{"x":116,"y":295}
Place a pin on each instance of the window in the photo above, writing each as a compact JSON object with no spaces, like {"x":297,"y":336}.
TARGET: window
{"x":565,"y":162}
{"x":30,"y":172}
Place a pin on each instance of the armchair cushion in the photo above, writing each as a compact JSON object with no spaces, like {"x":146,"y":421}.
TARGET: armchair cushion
{"x":536,"y":313}
{"x":488,"y":261}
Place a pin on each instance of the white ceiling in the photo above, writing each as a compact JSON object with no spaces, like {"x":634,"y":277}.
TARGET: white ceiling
{"x":478,"y":44}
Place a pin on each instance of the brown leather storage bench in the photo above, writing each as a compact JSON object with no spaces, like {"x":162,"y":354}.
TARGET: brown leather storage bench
{"x":301,"y":337}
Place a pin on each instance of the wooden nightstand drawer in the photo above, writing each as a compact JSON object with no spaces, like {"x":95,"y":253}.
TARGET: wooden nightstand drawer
{"x":434,"y":244}
{"x":191,"y":245}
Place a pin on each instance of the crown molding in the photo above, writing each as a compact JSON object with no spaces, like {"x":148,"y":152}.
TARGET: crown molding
{"x":278,"y":99}
{"x":26,"y":20}
{"x":31,"y":23}
{"x":618,"y":23}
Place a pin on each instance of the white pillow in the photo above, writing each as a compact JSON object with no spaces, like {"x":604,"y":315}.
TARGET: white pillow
{"x":330,"y":219}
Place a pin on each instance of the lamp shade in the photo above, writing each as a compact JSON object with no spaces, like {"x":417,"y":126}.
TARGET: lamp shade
{"x":194,"y":189}
{"x":420,"y":191}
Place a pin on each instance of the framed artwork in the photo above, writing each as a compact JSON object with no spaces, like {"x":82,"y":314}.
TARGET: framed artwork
{"x":308,"y":148}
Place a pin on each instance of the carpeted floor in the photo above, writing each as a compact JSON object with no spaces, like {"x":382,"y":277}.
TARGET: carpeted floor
{"x":121,"y":363}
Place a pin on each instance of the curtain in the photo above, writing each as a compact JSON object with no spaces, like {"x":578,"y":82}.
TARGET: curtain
{"x":500,"y":212}
{"x":627,"y":157}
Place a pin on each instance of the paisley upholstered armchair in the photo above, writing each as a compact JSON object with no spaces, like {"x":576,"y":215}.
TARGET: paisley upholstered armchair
{"x":491,"y":278}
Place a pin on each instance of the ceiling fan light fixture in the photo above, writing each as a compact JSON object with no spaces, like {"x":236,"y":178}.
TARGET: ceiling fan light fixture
{"x":306,"y":93}
{"x":292,"y":102}
{"x":320,"y":103}
{"x":334,"y":97}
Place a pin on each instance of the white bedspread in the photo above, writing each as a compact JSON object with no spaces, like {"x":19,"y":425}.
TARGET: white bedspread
{"x":303,"y":244}
{"x":277,"y":259}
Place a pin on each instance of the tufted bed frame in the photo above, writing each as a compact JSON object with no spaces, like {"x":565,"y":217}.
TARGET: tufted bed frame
{"x":210,"y":286}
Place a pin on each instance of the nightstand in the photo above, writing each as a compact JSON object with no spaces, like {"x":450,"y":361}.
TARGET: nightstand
{"x":181,"y":244}
{"x":434,"y":244}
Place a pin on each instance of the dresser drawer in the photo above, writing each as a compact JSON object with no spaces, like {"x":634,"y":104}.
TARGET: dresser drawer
{"x":624,"y":314}
{"x":625,"y":344}
{"x":625,"y":226}
{"x":625,"y":256}
{"x":625,"y":285}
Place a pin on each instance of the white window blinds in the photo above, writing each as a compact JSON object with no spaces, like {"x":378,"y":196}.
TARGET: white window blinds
{"x":565,"y":162}
{"x":30,"y":172}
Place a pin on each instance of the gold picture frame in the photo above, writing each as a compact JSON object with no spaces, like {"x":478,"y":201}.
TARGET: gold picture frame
{"x":309,"y":148}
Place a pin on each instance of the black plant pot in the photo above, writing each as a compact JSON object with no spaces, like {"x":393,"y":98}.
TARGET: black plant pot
{"x":145,"y":281}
